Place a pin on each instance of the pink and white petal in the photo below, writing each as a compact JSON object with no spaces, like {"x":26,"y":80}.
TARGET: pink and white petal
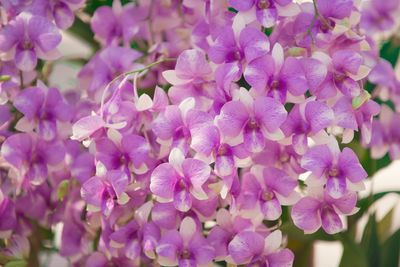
{"x":315,"y":71}
{"x":319,"y":115}
{"x":282,"y":258}
{"x":30,"y":101}
{"x":279,"y":181}
{"x":288,"y":10}
{"x":224,"y":165}
{"x":254,"y":140}
{"x":232,"y":118}
{"x":347,"y":203}
{"x":171,"y":77}
{"x":350,"y":165}
{"x":348,"y":87}
{"x":182,"y":199}
{"x":196,"y":171}
{"x":271,"y":209}
{"x":336,"y":186}
{"x":294,"y":77}
{"x":244,"y":246}
{"x":47,"y":130}
{"x":92,"y":191}
{"x":317,"y":160}
{"x":273,"y":242}
{"x":227,"y":73}
{"x":87,"y":126}
{"x":165,"y":215}
{"x":300,"y":143}
{"x":203,"y":254}
{"x":162,"y":181}
{"x":176,"y":158}
{"x":269,"y":112}
{"x":259,"y":70}
{"x":306,"y":214}
{"x":205,"y":139}
{"x":167,"y":255}
{"x":278,"y":56}
{"x":45,"y":33}
{"x":241,"y":5}
{"x":344,"y":114}
{"x":254,"y":43}
{"x":25,"y":60}
{"x":267,"y":17}
{"x":331,"y":221}
{"x":191,"y":64}
{"x":119,"y":181}
{"x":187,"y":229}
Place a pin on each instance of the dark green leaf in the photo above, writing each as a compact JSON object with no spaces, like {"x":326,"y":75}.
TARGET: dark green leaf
{"x":391,"y":50}
{"x":391,"y":251}
{"x":384,"y":225}
{"x":365,"y":203}
{"x":83,"y":31}
{"x":16,"y":263}
{"x":370,"y":242}
{"x":353,"y":254}
{"x":304,"y":254}
{"x":4,"y":78}
{"x":62,"y":190}
{"x":92,"y":5}
{"x":373,"y":165}
{"x":268,"y":31}
{"x":5,"y":258}
{"x":295,"y":233}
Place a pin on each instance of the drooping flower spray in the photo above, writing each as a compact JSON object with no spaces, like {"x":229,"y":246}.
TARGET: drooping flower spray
{"x":198,"y":132}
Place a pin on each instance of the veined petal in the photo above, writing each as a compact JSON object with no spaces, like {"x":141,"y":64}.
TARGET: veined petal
{"x":163,"y":181}
{"x":306,"y":214}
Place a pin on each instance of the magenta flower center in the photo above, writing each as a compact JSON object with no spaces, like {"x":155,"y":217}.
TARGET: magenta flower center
{"x":284,"y":157}
{"x":185,"y":254}
{"x":263,"y":4}
{"x":334,"y":172}
{"x":222,"y":150}
{"x":326,"y":25}
{"x":275,"y":85}
{"x":339,"y":77}
{"x":252,"y":124}
{"x":267,"y":195}
{"x":182,"y":184}
{"x":27,"y":44}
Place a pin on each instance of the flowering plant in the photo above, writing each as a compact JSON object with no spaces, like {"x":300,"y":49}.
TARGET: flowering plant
{"x":198,"y":132}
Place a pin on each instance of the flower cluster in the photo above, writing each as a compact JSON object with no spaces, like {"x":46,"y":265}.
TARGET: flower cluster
{"x":193,"y":130}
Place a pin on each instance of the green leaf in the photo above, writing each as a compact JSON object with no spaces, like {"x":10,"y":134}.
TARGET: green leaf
{"x":370,"y":242}
{"x":16,"y":263}
{"x":373,"y":165}
{"x":365,"y":203}
{"x":384,"y":225}
{"x":359,"y":100}
{"x":304,"y":254}
{"x":62,"y":190}
{"x":83,"y":31}
{"x":5,"y":258}
{"x":391,"y":51}
{"x":4,"y":78}
{"x":391,"y":251}
{"x":92,"y":5}
{"x":353,"y":254}
{"x":296,"y":234}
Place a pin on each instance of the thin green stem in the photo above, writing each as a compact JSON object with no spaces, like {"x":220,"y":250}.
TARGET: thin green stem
{"x":21,"y":80}
{"x":129,"y":73}
{"x":142,"y":69}
{"x":316,"y":14}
